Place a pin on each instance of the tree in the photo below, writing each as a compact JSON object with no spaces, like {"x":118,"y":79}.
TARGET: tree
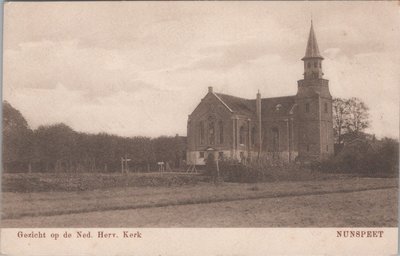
{"x":164,"y":148}
{"x":367,"y":157}
{"x":350,"y":116}
{"x":358,"y":116}
{"x":17,"y":139}
{"x":340,"y":112}
{"x":55,"y":145}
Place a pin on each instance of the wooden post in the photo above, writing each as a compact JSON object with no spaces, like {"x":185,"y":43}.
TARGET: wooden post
{"x":258,"y":112}
{"x":217,"y":169}
{"x":288,"y":137}
{"x":248,"y":139}
{"x":126,"y":164}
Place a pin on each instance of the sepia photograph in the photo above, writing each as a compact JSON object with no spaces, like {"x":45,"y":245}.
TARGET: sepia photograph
{"x":200,"y":115}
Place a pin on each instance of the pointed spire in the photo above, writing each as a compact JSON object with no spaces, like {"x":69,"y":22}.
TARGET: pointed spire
{"x":312,"y":50}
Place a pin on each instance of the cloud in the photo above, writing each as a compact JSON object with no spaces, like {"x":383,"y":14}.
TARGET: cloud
{"x":44,"y":64}
{"x":226,"y":57}
{"x":139,"y":68}
{"x":371,"y":77}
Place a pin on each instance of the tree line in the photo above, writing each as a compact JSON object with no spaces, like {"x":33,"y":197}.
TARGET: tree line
{"x":58,"y":148}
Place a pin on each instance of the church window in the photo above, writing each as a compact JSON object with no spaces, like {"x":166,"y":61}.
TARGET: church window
{"x":275,"y":139}
{"x":242,"y":135}
{"x":211,"y":132}
{"x":221,"y":132}
{"x":265,"y":139}
{"x":201,"y":127}
{"x":320,"y":65}
{"x":307,"y":107}
{"x":253,"y":136}
{"x":201,"y":154}
{"x":308,"y":65}
{"x":315,"y":64}
{"x":326,"y":107}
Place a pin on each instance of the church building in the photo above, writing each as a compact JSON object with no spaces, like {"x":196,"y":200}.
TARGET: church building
{"x":280,"y":129}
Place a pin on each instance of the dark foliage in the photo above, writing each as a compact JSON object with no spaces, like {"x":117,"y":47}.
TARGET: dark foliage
{"x":234,"y":171}
{"x":58,"y":148}
{"x":366,"y":157}
{"x":17,"y":138}
{"x":211,"y":166}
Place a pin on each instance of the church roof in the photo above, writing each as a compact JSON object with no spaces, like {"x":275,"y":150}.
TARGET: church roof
{"x":238,"y":105}
{"x":277,"y":105}
{"x":247,"y":107}
{"x":274,"y":100}
{"x":312,"y":50}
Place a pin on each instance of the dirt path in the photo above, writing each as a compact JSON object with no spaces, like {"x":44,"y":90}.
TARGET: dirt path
{"x":366,"y":208}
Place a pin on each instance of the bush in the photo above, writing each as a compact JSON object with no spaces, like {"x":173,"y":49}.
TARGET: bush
{"x":366,"y":157}
{"x":234,"y":171}
{"x":261,"y":171}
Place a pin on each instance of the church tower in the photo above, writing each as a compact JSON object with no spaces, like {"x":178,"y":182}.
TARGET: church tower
{"x":312,"y":59}
{"x":314,"y":105}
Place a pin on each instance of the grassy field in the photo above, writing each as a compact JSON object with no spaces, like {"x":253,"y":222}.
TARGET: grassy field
{"x":49,"y":182}
{"x":371,"y":208}
{"x":23,"y":208}
{"x":69,"y":182}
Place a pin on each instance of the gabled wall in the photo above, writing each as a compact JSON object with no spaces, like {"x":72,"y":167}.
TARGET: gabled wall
{"x":279,"y":129}
{"x":210,"y":109}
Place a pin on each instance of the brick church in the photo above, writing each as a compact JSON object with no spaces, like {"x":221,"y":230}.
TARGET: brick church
{"x":282,"y":129}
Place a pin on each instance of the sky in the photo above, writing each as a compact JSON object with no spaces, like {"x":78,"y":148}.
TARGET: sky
{"x":140,"y":68}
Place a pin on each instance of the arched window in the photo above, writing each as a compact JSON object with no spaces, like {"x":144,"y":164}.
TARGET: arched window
{"x":315,"y":64}
{"x":275,"y":139}
{"x":253,"y":136}
{"x":307,"y":107}
{"x":221,"y":132}
{"x":326,"y":107}
{"x":211,"y":132}
{"x":309,"y":65}
{"x":201,"y":129}
{"x":242,"y":135}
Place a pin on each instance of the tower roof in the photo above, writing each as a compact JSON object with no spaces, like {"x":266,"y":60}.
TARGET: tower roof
{"x":312,"y":50}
